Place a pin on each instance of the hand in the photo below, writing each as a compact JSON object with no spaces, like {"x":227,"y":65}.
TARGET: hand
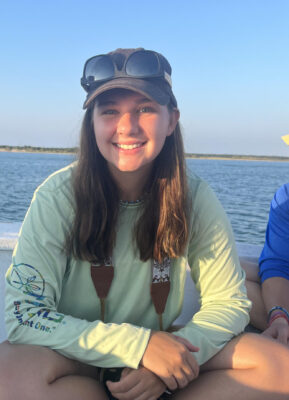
{"x":278,"y":330}
{"x":137,"y":384}
{"x":169,"y":357}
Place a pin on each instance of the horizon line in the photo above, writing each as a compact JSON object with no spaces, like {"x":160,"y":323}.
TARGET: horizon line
{"x":73,"y":150}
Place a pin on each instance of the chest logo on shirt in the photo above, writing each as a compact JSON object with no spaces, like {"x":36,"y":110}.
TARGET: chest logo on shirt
{"x":28,"y":279}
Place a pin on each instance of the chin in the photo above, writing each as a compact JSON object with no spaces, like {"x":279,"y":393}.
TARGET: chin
{"x":129,"y":168}
{"x":133,"y":168}
{"x":125,"y":169}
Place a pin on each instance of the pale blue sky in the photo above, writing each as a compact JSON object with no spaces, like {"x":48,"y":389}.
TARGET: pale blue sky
{"x":230,"y":61}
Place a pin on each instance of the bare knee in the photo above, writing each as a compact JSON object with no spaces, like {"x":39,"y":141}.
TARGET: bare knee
{"x":276,"y":365}
{"x":270,"y":360}
{"x":251,"y":268}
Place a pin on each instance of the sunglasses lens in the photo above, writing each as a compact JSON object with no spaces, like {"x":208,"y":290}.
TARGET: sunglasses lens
{"x":142,"y":64}
{"x":99,"y":68}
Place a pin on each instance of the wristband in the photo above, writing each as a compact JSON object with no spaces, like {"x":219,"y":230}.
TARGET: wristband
{"x":278,"y":308}
{"x":278,"y":315}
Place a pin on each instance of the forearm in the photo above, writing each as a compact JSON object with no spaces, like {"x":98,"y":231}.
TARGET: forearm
{"x":275,"y":292}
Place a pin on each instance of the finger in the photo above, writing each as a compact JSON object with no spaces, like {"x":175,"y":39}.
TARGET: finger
{"x":271,"y":333}
{"x":186,"y":343}
{"x":181,"y":379}
{"x":282,"y":334}
{"x":188,"y":371}
{"x":194,"y":368}
{"x":186,"y":376}
{"x":125,"y":372}
{"x":189,"y":374}
{"x":130,"y":395}
{"x":170,"y":382}
{"x":122,"y":386}
{"x":136,"y":393}
{"x":126,"y":383}
{"x":143,"y":396}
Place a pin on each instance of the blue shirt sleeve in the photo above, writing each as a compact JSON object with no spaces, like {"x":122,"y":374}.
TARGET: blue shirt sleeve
{"x":274,"y":259}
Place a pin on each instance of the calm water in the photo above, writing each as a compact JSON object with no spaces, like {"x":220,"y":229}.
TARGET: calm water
{"x":20,"y":174}
{"x":245,"y":188}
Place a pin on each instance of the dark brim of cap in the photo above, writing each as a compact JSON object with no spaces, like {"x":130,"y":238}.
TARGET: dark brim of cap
{"x":142,"y":86}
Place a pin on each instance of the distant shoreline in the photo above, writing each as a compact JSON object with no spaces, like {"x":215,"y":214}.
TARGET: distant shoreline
{"x":73,"y":150}
{"x":32,"y":149}
{"x":238,"y":157}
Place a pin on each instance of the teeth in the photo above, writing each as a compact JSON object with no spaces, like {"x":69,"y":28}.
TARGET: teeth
{"x":128,"y":146}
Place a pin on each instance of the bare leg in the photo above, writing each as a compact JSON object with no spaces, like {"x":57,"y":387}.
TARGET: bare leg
{"x":258,"y":316}
{"x":35,"y":372}
{"x":249,"y":367}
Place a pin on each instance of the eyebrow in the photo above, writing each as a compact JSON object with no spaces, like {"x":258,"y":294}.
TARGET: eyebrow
{"x":104,"y":103}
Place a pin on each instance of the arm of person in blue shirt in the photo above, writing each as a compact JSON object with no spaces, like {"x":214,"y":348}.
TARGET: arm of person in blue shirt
{"x":274,"y":264}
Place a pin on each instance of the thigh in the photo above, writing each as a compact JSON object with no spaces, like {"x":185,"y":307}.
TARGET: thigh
{"x":36,"y":363}
{"x":34,"y":372}
{"x":247,"y":351}
{"x":248,"y":367}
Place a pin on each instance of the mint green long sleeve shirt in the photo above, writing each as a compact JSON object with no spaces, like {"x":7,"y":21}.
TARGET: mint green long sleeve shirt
{"x":51,"y":300}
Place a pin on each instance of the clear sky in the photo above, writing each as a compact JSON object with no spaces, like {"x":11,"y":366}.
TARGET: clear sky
{"x":230,"y":61}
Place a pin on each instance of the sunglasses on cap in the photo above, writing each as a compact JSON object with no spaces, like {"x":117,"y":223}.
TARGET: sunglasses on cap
{"x":140,"y":64}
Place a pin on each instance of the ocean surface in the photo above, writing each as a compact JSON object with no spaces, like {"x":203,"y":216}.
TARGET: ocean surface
{"x":245,"y":188}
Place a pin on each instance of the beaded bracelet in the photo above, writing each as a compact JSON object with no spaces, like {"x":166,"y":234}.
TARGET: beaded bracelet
{"x":278,"y":308}
{"x":278,"y":315}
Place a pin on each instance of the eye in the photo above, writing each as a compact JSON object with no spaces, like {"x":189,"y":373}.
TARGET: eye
{"x":109,"y":111}
{"x":147,"y":109}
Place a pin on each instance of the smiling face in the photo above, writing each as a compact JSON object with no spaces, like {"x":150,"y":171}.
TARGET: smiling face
{"x":130,"y":130}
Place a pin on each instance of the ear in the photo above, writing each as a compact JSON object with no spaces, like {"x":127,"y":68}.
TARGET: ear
{"x":174,"y":118}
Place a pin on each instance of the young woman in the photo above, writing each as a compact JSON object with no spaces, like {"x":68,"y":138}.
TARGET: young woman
{"x":97,"y":277}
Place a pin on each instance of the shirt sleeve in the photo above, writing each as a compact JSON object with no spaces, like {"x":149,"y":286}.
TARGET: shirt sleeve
{"x":33,"y":289}
{"x":219,"y":279}
{"x":274,"y":259}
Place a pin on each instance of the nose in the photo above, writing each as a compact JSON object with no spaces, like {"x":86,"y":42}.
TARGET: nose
{"x":127,"y":124}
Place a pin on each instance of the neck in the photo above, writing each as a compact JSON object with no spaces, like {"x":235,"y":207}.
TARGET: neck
{"x":131,"y":188}
{"x":130,"y":184}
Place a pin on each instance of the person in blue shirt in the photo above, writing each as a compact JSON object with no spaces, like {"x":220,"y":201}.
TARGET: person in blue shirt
{"x":268,"y":287}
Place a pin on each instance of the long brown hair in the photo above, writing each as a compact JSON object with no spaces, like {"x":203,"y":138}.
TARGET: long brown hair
{"x":162,"y":229}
